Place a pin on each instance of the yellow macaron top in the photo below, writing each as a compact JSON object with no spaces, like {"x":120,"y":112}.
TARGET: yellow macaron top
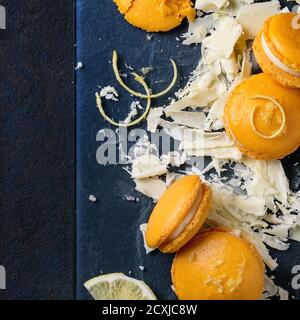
{"x":262,"y":117}
{"x":224,"y":267}
{"x":171,"y":209}
{"x":156,"y":15}
{"x":282,"y":35}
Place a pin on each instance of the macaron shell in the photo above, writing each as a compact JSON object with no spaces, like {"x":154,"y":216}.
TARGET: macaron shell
{"x":270,"y":68}
{"x":223,"y":266}
{"x":283,"y":38}
{"x":194,"y":226}
{"x":156,"y":15}
{"x":237,"y":118}
{"x":123,"y":5}
{"x":171,"y":209}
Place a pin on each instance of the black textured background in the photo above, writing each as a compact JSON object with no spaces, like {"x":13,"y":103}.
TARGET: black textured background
{"x":36,"y":149}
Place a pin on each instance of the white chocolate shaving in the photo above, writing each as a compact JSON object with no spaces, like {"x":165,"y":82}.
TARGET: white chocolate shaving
{"x":252,"y":16}
{"x":211,"y":5}
{"x":146,"y":166}
{"x":152,"y":187}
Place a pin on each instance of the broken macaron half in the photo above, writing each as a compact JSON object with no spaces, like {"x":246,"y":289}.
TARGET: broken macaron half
{"x":179,"y":214}
{"x":156,"y":15}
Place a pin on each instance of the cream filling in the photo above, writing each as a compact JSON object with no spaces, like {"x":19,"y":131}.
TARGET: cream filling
{"x":188,"y":218}
{"x":276,"y":61}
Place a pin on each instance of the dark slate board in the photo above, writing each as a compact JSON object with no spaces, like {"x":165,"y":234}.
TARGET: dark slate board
{"x":108,"y":237}
{"x":36,"y":129}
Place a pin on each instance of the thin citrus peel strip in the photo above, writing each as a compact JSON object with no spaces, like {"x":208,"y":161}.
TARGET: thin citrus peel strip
{"x":279,"y":106}
{"x":138,"y":94}
{"x":140,"y":80}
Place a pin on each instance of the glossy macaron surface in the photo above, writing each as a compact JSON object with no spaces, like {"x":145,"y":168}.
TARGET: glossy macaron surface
{"x":217,"y":265}
{"x":252,"y":116}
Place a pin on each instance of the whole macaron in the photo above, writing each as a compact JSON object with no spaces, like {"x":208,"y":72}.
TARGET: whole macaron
{"x":156,"y":15}
{"x":179,"y":214}
{"x":277,"y":48}
{"x":262,"y":117}
{"x":217,"y":265}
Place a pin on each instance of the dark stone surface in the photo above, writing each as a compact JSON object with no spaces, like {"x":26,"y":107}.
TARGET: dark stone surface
{"x":108,"y":236}
{"x":36,"y":127}
{"x":36,"y":197}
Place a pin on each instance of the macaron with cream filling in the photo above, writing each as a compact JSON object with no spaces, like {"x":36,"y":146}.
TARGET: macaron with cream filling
{"x":179,"y":214}
{"x":277,"y":48}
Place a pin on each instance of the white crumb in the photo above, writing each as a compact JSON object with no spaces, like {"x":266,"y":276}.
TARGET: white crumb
{"x":109,"y":93}
{"x":79,"y":65}
{"x":135,"y":105}
{"x":92,"y":198}
{"x":149,"y":36}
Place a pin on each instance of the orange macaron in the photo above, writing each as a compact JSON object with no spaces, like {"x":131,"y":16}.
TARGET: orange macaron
{"x":217,"y":265}
{"x":277,"y":48}
{"x":262,"y":117}
{"x":179,"y":214}
{"x":156,"y":15}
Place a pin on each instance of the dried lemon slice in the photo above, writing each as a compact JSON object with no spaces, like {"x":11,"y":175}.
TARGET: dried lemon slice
{"x":117,"y":286}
